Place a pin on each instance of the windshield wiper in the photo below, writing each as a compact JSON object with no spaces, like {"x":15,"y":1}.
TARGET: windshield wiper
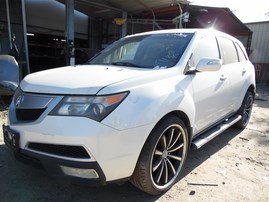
{"x":128,"y":64}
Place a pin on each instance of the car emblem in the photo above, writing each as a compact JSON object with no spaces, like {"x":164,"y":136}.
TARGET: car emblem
{"x":19,"y":100}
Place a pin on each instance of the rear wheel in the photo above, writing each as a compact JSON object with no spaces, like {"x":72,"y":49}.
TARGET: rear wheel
{"x":162,"y":157}
{"x":245,"y":111}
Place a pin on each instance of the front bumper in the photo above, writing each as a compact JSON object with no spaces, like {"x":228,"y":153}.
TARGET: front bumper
{"x":75,"y":171}
{"x":112,"y":154}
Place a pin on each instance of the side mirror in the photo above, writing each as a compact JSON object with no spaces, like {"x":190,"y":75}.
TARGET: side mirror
{"x":208,"y":64}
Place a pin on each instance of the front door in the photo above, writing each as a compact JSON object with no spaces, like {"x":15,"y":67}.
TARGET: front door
{"x":210,"y":89}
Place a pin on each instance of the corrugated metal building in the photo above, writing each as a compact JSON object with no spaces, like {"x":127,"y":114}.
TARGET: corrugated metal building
{"x":260,"y":50}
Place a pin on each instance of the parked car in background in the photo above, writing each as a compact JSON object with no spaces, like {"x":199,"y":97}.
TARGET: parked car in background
{"x":136,"y":109}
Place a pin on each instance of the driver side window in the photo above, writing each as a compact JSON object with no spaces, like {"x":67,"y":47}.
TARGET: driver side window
{"x":206,"y":47}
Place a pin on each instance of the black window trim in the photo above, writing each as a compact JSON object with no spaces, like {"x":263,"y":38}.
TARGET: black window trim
{"x":237,"y":45}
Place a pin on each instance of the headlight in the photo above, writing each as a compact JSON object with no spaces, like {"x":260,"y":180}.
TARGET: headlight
{"x":93,"y":107}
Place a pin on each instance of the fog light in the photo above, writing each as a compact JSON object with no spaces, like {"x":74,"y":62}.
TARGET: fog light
{"x":80,"y":172}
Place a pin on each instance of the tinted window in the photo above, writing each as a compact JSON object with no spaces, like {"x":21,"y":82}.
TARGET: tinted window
{"x":229,"y":54}
{"x":206,"y":47}
{"x":147,"y":51}
{"x":241,"y":55}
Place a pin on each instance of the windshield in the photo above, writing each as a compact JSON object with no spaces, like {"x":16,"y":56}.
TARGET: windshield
{"x":147,"y":51}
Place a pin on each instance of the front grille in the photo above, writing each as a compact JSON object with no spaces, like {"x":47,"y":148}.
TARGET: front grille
{"x":28,"y":106}
{"x":61,"y":150}
{"x":29,"y":114}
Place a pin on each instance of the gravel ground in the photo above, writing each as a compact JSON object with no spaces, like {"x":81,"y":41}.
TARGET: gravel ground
{"x":232,"y":167}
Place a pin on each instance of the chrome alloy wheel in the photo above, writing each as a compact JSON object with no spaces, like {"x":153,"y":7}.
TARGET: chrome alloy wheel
{"x":168,"y":156}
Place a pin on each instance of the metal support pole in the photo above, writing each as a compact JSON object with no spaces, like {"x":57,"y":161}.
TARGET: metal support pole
{"x":124,"y":26}
{"x":8,"y":24}
{"x":154,"y":19}
{"x":25,"y":35}
{"x":132,"y":25}
{"x":69,"y":28}
{"x":153,"y":14}
{"x":249,"y":42}
{"x":180,"y":19}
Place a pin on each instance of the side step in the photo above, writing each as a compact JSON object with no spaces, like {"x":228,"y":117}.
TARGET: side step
{"x":214,"y":132}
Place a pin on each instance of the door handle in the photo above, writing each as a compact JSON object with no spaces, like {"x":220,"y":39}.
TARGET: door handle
{"x":244,"y":70}
{"x":223,"y":77}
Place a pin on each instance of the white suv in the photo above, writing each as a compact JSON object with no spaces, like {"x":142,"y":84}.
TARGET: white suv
{"x":136,"y":109}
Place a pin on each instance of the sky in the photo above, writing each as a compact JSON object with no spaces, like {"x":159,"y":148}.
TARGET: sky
{"x":245,"y":10}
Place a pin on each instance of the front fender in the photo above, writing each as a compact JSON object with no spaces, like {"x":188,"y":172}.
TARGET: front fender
{"x":148,"y":103}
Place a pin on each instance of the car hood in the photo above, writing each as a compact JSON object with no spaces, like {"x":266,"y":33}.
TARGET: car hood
{"x":82,"y":79}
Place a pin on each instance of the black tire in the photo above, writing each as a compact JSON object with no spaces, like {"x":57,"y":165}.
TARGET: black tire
{"x":245,"y":111}
{"x":162,"y":157}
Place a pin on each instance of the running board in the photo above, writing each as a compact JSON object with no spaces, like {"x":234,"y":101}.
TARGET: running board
{"x":214,"y":132}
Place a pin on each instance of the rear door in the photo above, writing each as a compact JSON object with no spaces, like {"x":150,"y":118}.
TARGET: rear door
{"x":236,"y":63}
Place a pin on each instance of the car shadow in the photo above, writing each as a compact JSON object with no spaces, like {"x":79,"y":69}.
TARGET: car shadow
{"x":20,"y":182}
{"x":197,"y":157}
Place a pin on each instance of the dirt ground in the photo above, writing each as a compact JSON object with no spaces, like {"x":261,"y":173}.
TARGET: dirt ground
{"x":232,"y":167}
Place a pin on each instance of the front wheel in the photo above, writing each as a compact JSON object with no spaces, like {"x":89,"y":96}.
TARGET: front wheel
{"x":162,"y":157}
{"x":245,"y":111}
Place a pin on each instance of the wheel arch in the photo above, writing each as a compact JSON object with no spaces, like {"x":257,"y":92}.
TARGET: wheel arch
{"x":252,"y":89}
{"x":179,"y":114}
{"x":247,"y":88}
{"x":183,"y":116}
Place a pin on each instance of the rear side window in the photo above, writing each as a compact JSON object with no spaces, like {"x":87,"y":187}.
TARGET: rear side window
{"x":206,"y":47}
{"x":241,"y":56}
{"x":229,"y":53}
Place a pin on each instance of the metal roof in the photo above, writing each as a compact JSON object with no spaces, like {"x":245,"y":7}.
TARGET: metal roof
{"x":200,"y":16}
{"x":114,"y":8}
{"x":165,"y":11}
{"x":221,"y":19}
